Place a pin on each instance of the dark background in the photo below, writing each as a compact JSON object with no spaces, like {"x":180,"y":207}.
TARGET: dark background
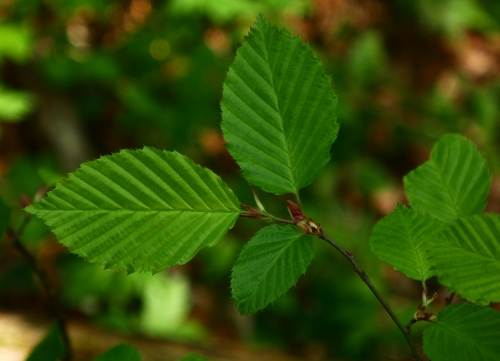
{"x":80,"y":79}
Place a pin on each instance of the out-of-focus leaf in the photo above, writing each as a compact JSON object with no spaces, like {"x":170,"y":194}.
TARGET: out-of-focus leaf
{"x":269,"y":264}
{"x":139,"y":210}
{"x":453,"y":183}
{"x":401,"y":239}
{"x":456,"y":16}
{"x":364,"y":73}
{"x":221,"y":11}
{"x":464,"y":332}
{"x":218,"y":10}
{"x":166,"y":306}
{"x":466,"y":257}
{"x":278,"y":110}
{"x":15,"y":42}
{"x":122,"y":352}
{"x":49,"y":176}
{"x":50,"y":348}
{"x":14,"y":105}
{"x":370,"y":176}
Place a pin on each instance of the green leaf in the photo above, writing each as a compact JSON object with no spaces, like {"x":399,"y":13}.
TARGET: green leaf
{"x":269,"y":264}
{"x":50,"y":348}
{"x":122,"y":352}
{"x":400,"y":239}
{"x":453,"y":183}
{"x":165,"y":305}
{"x":16,"y":42}
{"x":467,"y":258}
{"x":464,"y":332}
{"x":14,"y":105}
{"x":5,"y":214}
{"x":139,"y":210}
{"x":278,"y":110}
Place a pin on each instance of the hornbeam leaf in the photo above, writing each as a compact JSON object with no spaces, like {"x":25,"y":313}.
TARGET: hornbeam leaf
{"x":269,"y":264}
{"x":464,"y":332}
{"x":139,"y":210}
{"x":401,"y":239}
{"x":453,"y":183}
{"x":467,"y":257}
{"x":278,"y":110}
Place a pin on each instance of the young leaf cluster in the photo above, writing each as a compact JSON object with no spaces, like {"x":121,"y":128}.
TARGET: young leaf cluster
{"x":444,"y":234}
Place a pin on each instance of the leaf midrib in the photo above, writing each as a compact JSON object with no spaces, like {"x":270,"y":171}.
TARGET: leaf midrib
{"x":272,"y":265}
{"x":281,"y":123}
{"x":139,"y":210}
{"x":416,"y":250}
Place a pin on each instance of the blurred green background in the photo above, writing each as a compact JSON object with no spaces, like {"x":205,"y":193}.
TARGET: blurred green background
{"x":84,"y":78}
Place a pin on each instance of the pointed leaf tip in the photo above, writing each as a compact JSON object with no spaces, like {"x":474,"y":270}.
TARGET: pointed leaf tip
{"x":454,"y":183}
{"x":279,"y":133}
{"x":139,"y":210}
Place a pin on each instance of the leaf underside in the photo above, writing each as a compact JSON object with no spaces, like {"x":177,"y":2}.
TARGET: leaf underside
{"x":464,"y":332}
{"x":139,"y":210}
{"x":453,"y":183}
{"x":467,"y":258}
{"x":269,"y":264}
{"x":278,"y":110}
{"x":401,"y":239}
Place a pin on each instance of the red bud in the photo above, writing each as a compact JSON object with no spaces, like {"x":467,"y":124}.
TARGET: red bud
{"x":304,"y":223}
{"x":295,"y":212}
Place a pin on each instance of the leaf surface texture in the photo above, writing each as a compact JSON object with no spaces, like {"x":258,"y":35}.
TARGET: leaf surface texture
{"x":453,"y":183}
{"x":464,"y":332}
{"x":278,"y":110}
{"x":269,"y":264}
{"x":401,"y":239}
{"x":139,"y":210}
{"x":467,"y":258}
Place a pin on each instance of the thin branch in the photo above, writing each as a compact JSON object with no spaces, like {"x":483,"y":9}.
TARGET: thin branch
{"x":364,"y":277}
{"x":16,"y":242}
{"x":410,"y":323}
{"x":261,"y":214}
{"x":10,"y":242}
